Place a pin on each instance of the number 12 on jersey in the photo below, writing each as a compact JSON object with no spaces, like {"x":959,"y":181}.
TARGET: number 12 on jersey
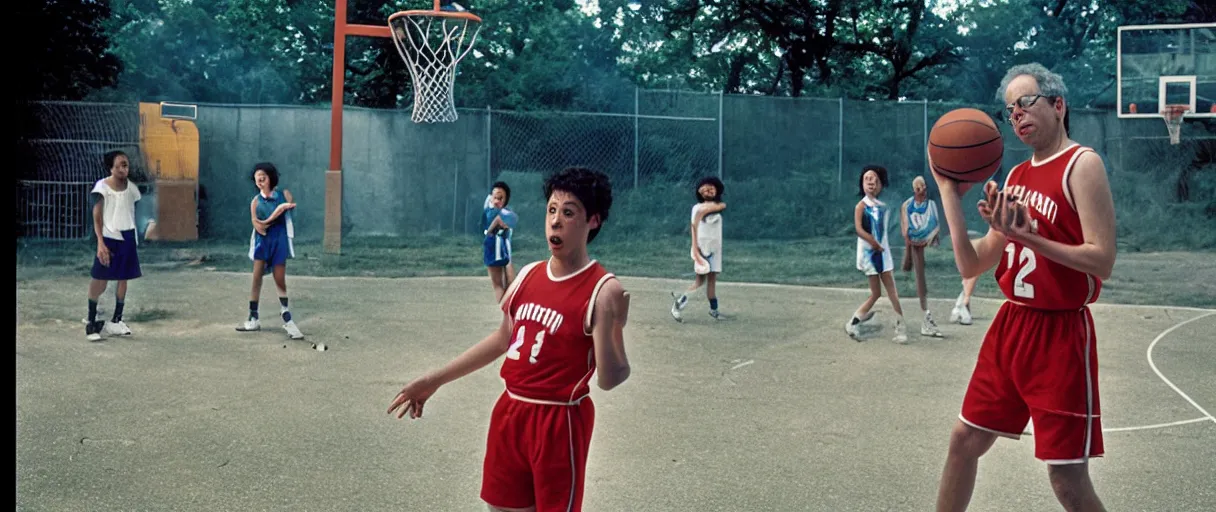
{"x":1027,"y":260}
{"x":513,"y":351}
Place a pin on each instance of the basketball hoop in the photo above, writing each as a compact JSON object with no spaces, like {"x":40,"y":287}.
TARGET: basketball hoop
{"x":1173,"y":115}
{"x":432,"y":56}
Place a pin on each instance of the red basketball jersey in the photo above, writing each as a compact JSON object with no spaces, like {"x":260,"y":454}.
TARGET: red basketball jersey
{"x":551,"y":356}
{"x":1031,"y":279}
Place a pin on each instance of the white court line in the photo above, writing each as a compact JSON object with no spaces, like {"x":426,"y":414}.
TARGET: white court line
{"x":741,"y":365}
{"x":1159,"y":425}
{"x":1149,"y":354}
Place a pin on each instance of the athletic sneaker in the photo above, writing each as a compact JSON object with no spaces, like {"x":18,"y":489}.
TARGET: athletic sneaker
{"x":118,"y":328}
{"x":851,"y":327}
{"x":251,"y":324}
{"x":964,"y":315}
{"x":677,"y":303}
{"x":92,"y":332}
{"x":901,"y":332}
{"x":714,"y":313}
{"x":293,"y":332}
{"x":928,"y":327}
{"x":958,"y":307}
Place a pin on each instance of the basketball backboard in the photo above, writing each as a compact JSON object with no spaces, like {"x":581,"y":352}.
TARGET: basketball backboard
{"x":1159,"y":65}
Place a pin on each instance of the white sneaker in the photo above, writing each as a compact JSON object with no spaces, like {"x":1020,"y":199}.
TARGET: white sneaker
{"x":92,"y":332}
{"x":293,"y":332}
{"x":675,"y":307}
{"x":118,"y":328}
{"x":964,"y":315}
{"x":901,"y":332}
{"x":714,"y":313}
{"x":928,"y":327}
{"x":251,"y":324}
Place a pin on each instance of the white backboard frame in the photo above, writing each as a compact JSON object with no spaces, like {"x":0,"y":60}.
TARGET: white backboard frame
{"x":1162,"y":80}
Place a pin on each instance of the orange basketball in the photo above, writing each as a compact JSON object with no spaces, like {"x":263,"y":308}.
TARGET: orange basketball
{"x":966,"y":145}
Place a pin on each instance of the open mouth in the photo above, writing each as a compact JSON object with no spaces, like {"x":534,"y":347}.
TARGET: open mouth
{"x":555,"y":241}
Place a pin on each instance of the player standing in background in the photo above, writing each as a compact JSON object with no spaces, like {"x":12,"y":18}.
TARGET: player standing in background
{"x":1052,"y":240}
{"x":871,"y":221}
{"x":706,"y":248}
{"x":919,"y":220}
{"x":117,"y":258}
{"x":563,"y":321}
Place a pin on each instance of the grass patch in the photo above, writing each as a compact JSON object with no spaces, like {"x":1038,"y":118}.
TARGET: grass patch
{"x":1167,"y":278}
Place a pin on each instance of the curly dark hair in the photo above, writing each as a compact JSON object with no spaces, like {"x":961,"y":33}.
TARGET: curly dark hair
{"x":861,"y":178}
{"x":592,"y":188}
{"x":506,"y":191}
{"x":272,"y":173}
{"x":709,"y":180}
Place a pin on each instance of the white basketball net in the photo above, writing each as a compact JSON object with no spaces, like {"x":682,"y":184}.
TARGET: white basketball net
{"x":432,"y":60}
{"x":1173,"y":115}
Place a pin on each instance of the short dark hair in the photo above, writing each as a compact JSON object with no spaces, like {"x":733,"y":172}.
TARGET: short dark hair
{"x":592,"y":188}
{"x":861,"y":179}
{"x":709,"y":180}
{"x":111,"y":156}
{"x":272,"y":173}
{"x":506,"y":190}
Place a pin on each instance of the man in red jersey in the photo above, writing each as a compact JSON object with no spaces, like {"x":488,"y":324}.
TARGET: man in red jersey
{"x":1052,"y":240}
{"x":562,"y":322}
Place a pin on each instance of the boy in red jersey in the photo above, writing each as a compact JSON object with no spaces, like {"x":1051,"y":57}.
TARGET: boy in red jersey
{"x":1052,"y":240}
{"x":562,"y":322}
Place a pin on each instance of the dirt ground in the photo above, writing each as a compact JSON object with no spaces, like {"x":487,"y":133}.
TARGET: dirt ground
{"x":771,"y":408}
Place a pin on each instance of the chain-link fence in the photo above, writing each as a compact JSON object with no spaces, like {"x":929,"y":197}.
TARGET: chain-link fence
{"x":790,"y":165}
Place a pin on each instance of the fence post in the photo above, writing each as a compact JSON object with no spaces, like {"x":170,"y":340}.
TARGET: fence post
{"x":840,"y":144}
{"x":925,"y":132}
{"x":721,"y":95}
{"x":489,"y":154}
{"x":636,"y":112}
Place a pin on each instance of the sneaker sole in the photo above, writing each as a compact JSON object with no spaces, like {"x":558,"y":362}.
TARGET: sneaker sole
{"x":242,"y":329}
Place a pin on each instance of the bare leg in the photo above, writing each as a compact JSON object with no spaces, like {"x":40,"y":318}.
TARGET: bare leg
{"x":888,"y":282}
{"x":967,"y":445}
{"x":875,"y":293}
{"x":259,"y":266}
{"x":121,"y":292}
{"x":1073,"y":488}
{"x":496,"y":279}
{"x":280,"y":279}
{"x":96,"y":288}
{"x":711,"y":286}
{"x":696,"y":283}
{"x":922,"y":288}
{"x":510,"y":275}
{"x":968,"y":289}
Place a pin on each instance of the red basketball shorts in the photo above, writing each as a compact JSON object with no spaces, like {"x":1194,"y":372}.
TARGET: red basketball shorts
{"x":536,"y":455}
{"x":1040,"y":365}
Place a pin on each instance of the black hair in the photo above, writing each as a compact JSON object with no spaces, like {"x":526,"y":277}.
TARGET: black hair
{"x":111,"y":156}
{"x":882,"y":178}
{"x":709,"y":180}
{"x":506,"y":190}
{"x":272,"y":173}
{"x":592,"y":188}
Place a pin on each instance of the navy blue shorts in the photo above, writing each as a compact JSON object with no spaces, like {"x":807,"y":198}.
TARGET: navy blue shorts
{"x":124,"y":260}
{"x":496,"y":251}
{"x":274,"y":249}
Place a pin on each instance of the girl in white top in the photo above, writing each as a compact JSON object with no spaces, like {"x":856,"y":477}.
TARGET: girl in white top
{"x":871,"y":219}
{"x":116,"y":258}
{"x":706,"y":250}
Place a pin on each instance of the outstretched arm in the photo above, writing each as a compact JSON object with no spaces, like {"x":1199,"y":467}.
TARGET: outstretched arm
{"x":414,"y":395}
{"x":607,"y":333}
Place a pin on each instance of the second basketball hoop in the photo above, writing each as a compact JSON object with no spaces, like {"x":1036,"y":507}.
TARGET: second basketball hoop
{"x":1173,"y":115}
{"x":432,"y":42}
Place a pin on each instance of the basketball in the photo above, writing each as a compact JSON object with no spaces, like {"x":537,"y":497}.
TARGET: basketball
{"x":966,"y":145}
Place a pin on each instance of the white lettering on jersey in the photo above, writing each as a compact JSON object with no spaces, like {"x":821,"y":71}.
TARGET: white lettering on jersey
{"x":547,"y":317}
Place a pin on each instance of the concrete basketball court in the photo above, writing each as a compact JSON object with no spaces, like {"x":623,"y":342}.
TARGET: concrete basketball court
{"x":772,"y":408}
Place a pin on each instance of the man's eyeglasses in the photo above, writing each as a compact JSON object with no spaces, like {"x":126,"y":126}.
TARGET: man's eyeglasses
{"x":1026,"y":102}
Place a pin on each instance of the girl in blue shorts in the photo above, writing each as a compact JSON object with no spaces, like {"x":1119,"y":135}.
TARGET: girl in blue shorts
{"x":498,"y":223}
{"x":270,"y":245}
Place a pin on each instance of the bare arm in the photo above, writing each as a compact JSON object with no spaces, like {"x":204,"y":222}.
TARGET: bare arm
{"x":411,"y":399}
{"x":903,"y":219}
{"x":607,"y":333}
{"x":973,"y":257}
{"x":1092,"y":196}
{"x":98,"y":217}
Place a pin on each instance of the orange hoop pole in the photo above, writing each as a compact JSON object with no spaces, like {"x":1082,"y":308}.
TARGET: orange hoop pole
{"x":333,"y":176}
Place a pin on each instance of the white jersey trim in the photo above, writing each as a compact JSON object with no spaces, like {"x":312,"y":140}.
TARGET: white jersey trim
{"x":595,"y":292}
{"x":1068,"y":172}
